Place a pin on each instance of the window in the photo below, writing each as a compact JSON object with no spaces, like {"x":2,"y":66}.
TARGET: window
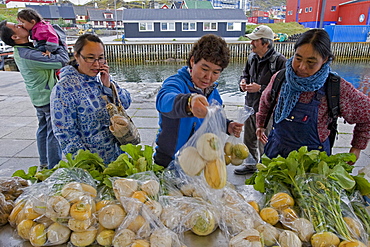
{"x":210,"y":26}
{"x":310,"y":9}
{"x":101,"y":23}
{"x":333,"y":8}
{"x":189,"y":26}
{"x":290,"y":12}
{"x":167,"y":26}
{"x":339,"y":19}
{"x":234,"y":26}
{"x":108,"y":16}
{"x":96,"y":23}
{"x":145,"y":26}
{"x":306,"y":10}
{"x":299,"y":11}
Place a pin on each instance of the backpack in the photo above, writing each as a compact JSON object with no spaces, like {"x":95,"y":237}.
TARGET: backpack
{"x":332,"y":91}
{"x":272,"y":61}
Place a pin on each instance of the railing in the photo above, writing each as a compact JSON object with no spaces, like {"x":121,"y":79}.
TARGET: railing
{"x":163,"y":52}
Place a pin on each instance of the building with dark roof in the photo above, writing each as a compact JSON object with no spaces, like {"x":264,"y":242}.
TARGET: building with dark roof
{"x":105,"y":18}
{"x":183,"y":23}
{"x":55,"y":12}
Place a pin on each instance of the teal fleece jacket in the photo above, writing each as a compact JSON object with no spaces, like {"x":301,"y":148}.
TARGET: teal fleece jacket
{"x":38,"y":71}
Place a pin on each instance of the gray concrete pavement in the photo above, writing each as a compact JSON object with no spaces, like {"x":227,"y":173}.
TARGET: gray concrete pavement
{"x":18,"y":124}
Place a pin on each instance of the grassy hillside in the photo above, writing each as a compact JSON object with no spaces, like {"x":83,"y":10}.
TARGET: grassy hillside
{"x":8,"y":14}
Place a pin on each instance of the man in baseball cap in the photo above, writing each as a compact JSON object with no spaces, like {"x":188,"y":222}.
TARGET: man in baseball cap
{"x":262,"y":63}
{"x":261,"y":32}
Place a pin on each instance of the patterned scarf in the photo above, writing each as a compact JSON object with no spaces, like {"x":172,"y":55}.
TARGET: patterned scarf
{"x":294,"y":86}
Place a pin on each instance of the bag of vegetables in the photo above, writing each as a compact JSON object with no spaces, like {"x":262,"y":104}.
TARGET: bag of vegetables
{"x":235,"y":150}
{"x":203,"y":153}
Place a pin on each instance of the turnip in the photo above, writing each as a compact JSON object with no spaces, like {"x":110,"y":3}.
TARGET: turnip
{"x":105,"y":237}
{"x":281,"y":201}
{"x":160,"y":238}
{"x":24,"y":228}
{"x":81,"y":210}
{"x":79,"y":225}
{"x":84,"y":238}
{"x":351,"y":243}
{"x":137,"y":223}
{"x":246,"y":238}
{"x":73,"y":191}
{"x":268,"y":233}
{"x":354,"y":226}
{"x":123,"y":238}
{"x":151,"y":187}
{"x":124,"y":187}
{"x":154,"y":207}
{"x":111,"y":216}
{"x":190,"y":161}
{"x":38,"y":235}
{"x":270,"y":215}
{"x":324,"y":239}
{"x":58,"y":234}
{"x":57,"y":207}
{"x":142,"y":196}
{"x":289,"y":239}
{"x":304,"y":228}
{"x":140,"y":243}
{"x":209,"y":146}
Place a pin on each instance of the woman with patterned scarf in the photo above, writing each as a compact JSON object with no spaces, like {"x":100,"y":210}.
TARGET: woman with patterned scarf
{"x":301,"y":116}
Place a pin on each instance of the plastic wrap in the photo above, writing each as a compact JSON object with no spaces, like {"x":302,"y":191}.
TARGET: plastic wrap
{"x":235,"y":150}
{"x":203,"y":153}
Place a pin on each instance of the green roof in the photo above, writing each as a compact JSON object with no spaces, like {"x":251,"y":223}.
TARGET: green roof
{"x":197,"y":4}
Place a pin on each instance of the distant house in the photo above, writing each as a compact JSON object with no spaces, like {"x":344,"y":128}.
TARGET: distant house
{"x":55,"y":12}
{"x":105,"y":18}
{"x":23,"y":3}
{"x":183,"y":23}
{"x":81,"y":14}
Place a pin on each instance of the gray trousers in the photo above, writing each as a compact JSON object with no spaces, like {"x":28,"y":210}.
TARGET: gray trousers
{"x":250,"y":138}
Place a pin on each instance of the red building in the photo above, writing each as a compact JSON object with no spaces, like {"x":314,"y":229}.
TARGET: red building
{"x":318,"y":13}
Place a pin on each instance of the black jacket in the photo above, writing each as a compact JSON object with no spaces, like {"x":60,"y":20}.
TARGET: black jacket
{"x":258,"y":70}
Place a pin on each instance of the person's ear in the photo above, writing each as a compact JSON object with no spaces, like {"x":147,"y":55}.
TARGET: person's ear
{"x":14,"y":37}
{"x":191,"y":62}
{"x":75,"y":55}
{"x":33,"y":22}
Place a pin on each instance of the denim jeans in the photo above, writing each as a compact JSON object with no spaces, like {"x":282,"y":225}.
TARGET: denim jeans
{"x":48,"y":146}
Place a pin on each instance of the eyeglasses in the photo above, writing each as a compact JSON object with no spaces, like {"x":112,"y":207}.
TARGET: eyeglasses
{"x":92,"y":59}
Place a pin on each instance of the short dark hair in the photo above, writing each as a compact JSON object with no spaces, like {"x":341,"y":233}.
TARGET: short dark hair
{"x":6,"y":34}
{"x":211,"y":48}
{"x":267,"y":41}
{"x":320,"y":41}
{"x":29,"y":14}
{"x":81,"y":42}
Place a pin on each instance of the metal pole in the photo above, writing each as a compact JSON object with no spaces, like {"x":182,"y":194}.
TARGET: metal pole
{"x":115,"y":14}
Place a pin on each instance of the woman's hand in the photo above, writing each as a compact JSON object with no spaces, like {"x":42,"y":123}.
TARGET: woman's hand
{"x":104,"y":74}
{"x":235,"y":129}
{"x":260,"y":132}
{"x":356,"y":152}
{"x":199,"y":105}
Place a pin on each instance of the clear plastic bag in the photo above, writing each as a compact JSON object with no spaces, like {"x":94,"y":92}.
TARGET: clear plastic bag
{"x":235,"y":150}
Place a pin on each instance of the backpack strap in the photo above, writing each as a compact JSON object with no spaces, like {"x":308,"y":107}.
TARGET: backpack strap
{"x":332,"y":94}
{"x":279,"y":79}
{"x":273,"y":61}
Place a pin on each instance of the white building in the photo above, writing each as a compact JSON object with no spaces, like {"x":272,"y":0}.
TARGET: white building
{"x":23,"y":3}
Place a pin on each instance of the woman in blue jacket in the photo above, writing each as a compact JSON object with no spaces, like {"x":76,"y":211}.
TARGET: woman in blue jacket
{"x":183,"y":99}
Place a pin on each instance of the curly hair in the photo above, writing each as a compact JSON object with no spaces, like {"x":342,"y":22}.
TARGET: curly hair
{"x":211,"y":48}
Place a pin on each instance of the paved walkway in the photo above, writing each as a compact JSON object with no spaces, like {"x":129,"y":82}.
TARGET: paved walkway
{"x":18,"y":124}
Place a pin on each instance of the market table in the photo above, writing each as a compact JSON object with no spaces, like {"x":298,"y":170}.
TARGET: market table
{"x":9,"y":238}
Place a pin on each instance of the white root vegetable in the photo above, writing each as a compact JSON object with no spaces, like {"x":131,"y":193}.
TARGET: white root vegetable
{"x":24,"y":228}
{"x":191,"y":162}
{"x":123,"y":238}
{"x":79,"y":225}
{"x":72,"y":191}
{"x":160,"y":238}
{"x":246,"y":238}
{"x":57,"y":207}
{"x":105,"y":237}
{"x":140,"y":243}
{"x":354,"y":226}
{"x":58,"y":234}
{"x":269,"y":233}
{"x":38,"y":235}
{"x":39,"y":204}
{"x":352,"y":243}
{"x":288,"y":239}
{"x":84,"y":238}
{"x":155,"y":207}
{"x":209,"y":146}
{"x":304,"y":228}
{"x":124,"y":187}
{"x":137,"y":223}
{"x":111,"y":216}
{"x":81,"y":210}
{"x":151,"y":187}
{"x":324,"y":239}
{"x":89,"y":190}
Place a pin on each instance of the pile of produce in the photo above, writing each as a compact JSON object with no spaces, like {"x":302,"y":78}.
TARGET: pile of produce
{"x":315,"y":196}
